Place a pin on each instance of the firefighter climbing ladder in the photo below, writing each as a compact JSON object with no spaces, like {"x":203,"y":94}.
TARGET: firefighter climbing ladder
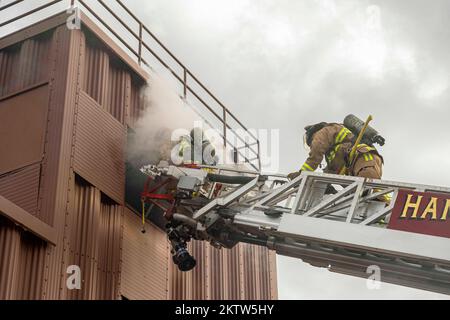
{"x":345,"y":232}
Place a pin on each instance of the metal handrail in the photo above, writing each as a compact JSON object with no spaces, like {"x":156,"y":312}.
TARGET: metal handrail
{"x":6,"y":6}
{"x":26,"y":13}
{"x":184,"y":79}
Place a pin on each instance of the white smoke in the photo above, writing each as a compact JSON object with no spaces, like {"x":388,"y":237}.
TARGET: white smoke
{"x":165,"y":119}
{"x":165,"y":112}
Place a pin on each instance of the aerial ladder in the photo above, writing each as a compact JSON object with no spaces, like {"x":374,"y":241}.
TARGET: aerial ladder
{"x":345,"y":231}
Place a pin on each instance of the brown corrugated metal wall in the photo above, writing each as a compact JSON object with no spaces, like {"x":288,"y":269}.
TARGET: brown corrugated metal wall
{"x":94,"y":243}
{"x":22,"y":133}
{"x":144,"y":260}
{"x":96,"y":70}
{"x":119,"y":92}
{"x":100,"y":148}
{"x":22,"y":186}
{"x":57,"y":179}
{"x":75,"y":183}
{"x":22,"y":263}
{"x":245,"y":272}
{"x":25,"y":64}
{"x":136,"y":101}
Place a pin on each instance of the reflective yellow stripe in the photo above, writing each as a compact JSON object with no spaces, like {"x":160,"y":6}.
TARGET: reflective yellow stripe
{"x":365,"y":146}
{"x":341,"y":135}
{"x":307,"y":167}
{"x":366,"y":152}
{"x":387,"y":197}
{"x":333,"y":153}
{"x":336,"y":149}
{"x":338,"y":137}
{"x":368,"y":156}
{"x":344,"y":136}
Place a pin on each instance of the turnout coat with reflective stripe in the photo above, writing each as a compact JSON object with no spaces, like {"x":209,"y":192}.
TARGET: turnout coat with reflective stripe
{"x":334,"y":142}
{"x":367,"y":157}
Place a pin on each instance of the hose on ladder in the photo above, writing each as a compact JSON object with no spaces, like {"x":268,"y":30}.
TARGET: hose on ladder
{"x":143,"y":216}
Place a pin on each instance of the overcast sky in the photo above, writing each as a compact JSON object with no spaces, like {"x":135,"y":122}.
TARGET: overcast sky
{"x":284,"y":64}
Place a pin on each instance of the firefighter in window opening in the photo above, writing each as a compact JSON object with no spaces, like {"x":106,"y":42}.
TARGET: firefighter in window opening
{"x":334,"y":142}
{"x":196,"y":148}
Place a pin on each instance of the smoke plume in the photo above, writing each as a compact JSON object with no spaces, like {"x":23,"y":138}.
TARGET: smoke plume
{"x":165,"y":115}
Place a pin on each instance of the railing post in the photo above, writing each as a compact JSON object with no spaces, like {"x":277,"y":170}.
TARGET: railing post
{"x":235,"y":155}
{"x":184,"y":83}
{"x":140,"y":43}
{"x":224,"y":127}
{"x":259,"y":155}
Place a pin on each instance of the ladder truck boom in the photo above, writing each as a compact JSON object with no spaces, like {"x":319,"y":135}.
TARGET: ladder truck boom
{"x":346,"y":231}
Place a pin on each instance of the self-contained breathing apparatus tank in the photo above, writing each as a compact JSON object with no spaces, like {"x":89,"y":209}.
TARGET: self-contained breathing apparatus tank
{"x":371,"y":136}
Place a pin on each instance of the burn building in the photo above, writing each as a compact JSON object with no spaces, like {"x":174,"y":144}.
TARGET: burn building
{"x":67,"y":100}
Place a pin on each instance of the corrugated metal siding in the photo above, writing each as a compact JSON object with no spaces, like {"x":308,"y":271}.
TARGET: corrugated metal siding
{"x":100,"y":148}
{"x":22,"y":187}
{"x":57,"y":175}
{"x":96,"y":72}
{"x":234,"y":274}
{"x":31,"y":267}
{"x":273,"y":282}
{"x":94,"y":243}
{"x":137,"y":104}
{"x":23,"y":122}
{"x":34,"y":57}
{"x":9,"y":62}
{"x":10,"y":252}
{"x":251,"y":286}
{"x":110,"y":249}
{"x":199,"y":278}
{"x":240,"y":273}
{"x":218,"y":283}
{"x":22,"y":263}
{"x":144,"y":260}
{"x":25,"y":64}
{"x":83,"y":242}
{"x":107,"y":81}
{"x":65,"y":139}
{"x":119,"y":92}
